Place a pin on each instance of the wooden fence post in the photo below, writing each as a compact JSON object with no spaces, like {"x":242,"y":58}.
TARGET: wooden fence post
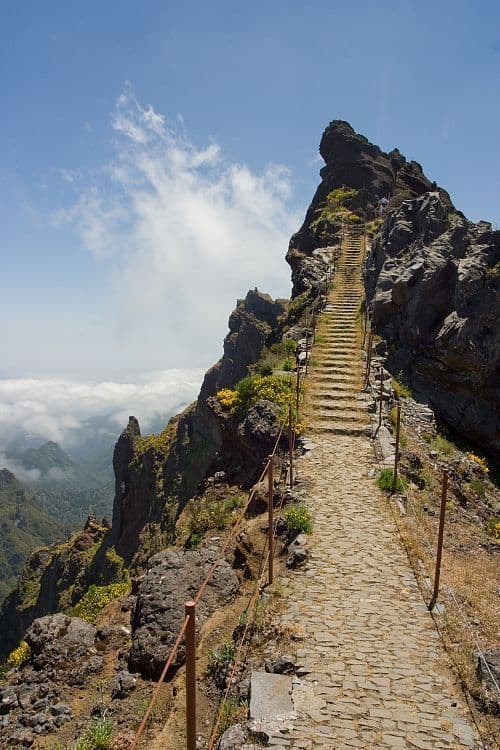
{"x":270,"y":517}
{"x":369,"y":357}
{"x":381,"y":395}
{"x":190,"y":612}
{"x":290,"y":443}
{"x":437,"y":573}
{"x":396,"y":455}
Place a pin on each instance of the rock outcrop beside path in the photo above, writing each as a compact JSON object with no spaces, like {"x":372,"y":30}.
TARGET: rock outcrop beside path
{"x":433,"y":282}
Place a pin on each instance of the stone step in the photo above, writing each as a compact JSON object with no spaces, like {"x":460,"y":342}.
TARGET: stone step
{"x":338,"y":418}
{"x":334,"y":390}
{"x":341,"y":406}
{"x":339,"y":429}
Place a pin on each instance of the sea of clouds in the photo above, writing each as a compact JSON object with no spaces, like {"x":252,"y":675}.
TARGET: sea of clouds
{"x":60,"y":410}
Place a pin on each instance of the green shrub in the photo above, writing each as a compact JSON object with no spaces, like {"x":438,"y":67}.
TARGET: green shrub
{"x":236,"y":501}
{"x":96,"y":598}
{"x":298,"y":518}
{"x":335,"y":208}
{"x":385,"y":480}
{"x":207,"y":512}
{"x":263,"y":368}
{"x":400,"y":388}
{"x":442,"y":446}
{"x":477,"y":487}
{"x":221,"y":655}
{"x":193,"y":540}
{"x":98,"y":735}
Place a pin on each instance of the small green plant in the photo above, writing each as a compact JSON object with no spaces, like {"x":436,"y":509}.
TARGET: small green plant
{"x":442,"y":446}
{"x":298,"y":518}
{"x":400,"y":388}
{"x":477,"y":487}
{"x":193,"y":540}
{"x":385,"y":481}
{"x":335,"y":209}
{"x":232,"y":713}
{"x":234,"y":502}
{"x":222,"y":655}
{"x":208,"y":512}
{"x":98,"y":735}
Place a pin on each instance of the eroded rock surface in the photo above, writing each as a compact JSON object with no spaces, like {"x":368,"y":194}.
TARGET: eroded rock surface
{"x":434,"y":286}
{"x":173,"y":578}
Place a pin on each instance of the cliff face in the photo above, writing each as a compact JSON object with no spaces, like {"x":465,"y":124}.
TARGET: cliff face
{"x":433,"y":281}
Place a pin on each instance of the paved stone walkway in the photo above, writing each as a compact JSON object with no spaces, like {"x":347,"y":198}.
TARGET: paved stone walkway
{"x":373,"y":672}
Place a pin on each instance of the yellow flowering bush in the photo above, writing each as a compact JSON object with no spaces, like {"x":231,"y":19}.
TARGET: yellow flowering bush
{"x":276,"y":388}
{"x":479,"y":461}
{"x":229,"y":399}
{"x":18,"y":656}
{"x":494,"y":529}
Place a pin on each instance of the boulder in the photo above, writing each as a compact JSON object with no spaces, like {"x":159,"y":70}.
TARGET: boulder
{"x":261,"y":426}
{"x":123,"y":684}
{"x":60,"y":640}
{"x":174,"y":577}
{"x":233,"y":738}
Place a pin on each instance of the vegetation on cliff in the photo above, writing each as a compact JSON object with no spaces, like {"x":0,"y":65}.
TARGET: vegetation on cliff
{"x":23,"y":526}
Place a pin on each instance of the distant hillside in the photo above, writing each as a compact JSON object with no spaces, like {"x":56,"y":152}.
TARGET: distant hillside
{"x":65,"y":489}
{"x":23,"y":526}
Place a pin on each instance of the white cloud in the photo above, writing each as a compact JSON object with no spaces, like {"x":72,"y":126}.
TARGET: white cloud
{"x":23,"y":475}
{"x":57,"y":409}
{"x":188,"y":232}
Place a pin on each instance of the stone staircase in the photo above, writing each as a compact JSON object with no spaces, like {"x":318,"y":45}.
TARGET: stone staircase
{"x":335,"y":403}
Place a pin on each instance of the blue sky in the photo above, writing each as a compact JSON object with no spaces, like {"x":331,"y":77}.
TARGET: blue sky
{"x":125,"y":123}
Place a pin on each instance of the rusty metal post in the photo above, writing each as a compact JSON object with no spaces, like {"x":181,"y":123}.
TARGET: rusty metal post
{"x":439,"y":553}
{"x":290,"y":443}
{"x":369,"y":357}
{"x":307,"y":350}
{"x":297,"y":391}
{"x":396,"y":455}
{"x":381,"y":396}
{"x":270,"y":514}
{"x":190,"y":611}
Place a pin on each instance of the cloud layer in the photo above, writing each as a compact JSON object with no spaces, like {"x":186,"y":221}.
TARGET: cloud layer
{"x":186,"y":232}
{"x":58,"y":409}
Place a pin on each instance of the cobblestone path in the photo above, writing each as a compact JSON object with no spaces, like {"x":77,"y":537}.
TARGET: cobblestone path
{"x":372,"y":670}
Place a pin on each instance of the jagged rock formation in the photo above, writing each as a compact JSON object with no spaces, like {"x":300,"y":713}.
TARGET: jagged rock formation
{"x":433,"y":282}
{"x":249,"y":327}
{"x":156,"y":477}
{"x":353,"y":162}
{"x":54,"y":578}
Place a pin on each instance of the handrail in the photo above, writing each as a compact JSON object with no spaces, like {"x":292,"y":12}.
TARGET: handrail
{"x":199,"y":594}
